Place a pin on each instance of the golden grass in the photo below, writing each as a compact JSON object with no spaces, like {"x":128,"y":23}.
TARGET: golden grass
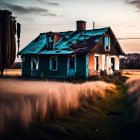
{"x":36,"y":101}
{"x":133,"y":86}
{"x":12,"y":72}
{"x":130,"y":73}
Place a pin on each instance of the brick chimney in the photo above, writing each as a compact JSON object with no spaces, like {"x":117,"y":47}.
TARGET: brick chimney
{"x":81,"y":25}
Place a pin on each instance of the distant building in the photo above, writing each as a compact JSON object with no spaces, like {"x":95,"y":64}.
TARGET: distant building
{"x":81,"y":53}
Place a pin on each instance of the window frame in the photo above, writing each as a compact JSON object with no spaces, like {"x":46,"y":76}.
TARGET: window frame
{"x":50,"y":42}
{"x":51,"y":68}
{"x":32,"y":63}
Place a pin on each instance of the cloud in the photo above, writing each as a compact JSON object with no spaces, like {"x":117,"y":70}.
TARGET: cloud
{"x":136,"y":3}
{"x":48,"y":3}
{"x":27,"y":10}
{"x":50,"y":14}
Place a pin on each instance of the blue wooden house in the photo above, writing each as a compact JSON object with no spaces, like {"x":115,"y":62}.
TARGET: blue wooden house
{"x":81,"y":53}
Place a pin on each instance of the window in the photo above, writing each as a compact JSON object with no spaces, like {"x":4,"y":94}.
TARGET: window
{"x":106,"y":43}
{"x":96,"y":63}
{"x":53,"y":63}
{"x":71,"y":62}
{"x":50,"y":42}
{"x":35,"y":63}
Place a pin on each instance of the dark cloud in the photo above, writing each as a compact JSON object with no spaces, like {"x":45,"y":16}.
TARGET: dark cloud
{"x":53,"y":3}
{"x":136,"y":3}
{"x":48,"y":3}
{"x":27,"y":10}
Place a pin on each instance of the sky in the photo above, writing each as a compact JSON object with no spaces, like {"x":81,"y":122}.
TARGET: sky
{"x":37,"y":16}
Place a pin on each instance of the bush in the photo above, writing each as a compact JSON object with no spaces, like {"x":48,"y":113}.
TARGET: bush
{"x":103,"y":73}
{"x":118,"y":73}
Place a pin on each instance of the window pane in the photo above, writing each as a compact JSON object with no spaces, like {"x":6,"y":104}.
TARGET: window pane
{"x":106,"y":43}
{"x":35,"y":63}
{"x":53,"y":63}
{"x":71,"y":62}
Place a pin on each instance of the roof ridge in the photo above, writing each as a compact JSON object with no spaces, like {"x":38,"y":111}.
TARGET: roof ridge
{"x":76,"y":31}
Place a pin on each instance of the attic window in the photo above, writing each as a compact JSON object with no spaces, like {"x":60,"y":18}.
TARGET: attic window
{"x":53,"y":63}
{"x":35,"y":63}
{"x":106,"y":43}
{"x":50,"y":42}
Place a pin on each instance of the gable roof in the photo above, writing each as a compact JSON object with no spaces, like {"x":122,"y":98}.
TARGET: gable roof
{"x":70,"y":42}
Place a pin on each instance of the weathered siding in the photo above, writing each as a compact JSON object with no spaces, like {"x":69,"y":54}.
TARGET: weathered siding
{"x":57,"y":38}
{"x":99,"y":48}
{"x":44,"y":66}
{"x":81,"y":66}
{"x":100,"y":62}
{"x":103,"y":62}
{"x":117,"y":63}
{"x":26,"y":66}
{"x":91,"y":65}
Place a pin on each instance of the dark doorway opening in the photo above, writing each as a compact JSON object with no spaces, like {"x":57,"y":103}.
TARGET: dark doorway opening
{"x":113,"y":64}
{"x":97,"y":63}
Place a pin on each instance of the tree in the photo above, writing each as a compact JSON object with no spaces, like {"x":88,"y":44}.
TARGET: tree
{"x":7,"y":40}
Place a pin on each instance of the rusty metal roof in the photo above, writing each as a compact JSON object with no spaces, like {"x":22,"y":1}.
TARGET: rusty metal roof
{"x":71,"y":42}
{"x":35,"y":46}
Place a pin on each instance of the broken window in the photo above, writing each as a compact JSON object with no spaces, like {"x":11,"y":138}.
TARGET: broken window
{"x":106,"y":43}
{"x":53,"y":63}
{"x":71,"y":62}
{"x":35,"y":63}
{"x":50,"y":42}
{"x":96,"y":63}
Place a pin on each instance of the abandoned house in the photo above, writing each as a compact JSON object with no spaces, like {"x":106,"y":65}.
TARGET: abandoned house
{"x":81,"y":53}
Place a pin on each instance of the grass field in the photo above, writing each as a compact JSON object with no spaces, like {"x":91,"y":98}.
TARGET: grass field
{"x":126,"y":72}
{"x":25,"y":102}
{"x":12,"y":72}
{"x":101,"y":116}
{"x":131,"y":73}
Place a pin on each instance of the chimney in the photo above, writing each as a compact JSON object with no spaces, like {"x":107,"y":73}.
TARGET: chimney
{"x":81,"y":25}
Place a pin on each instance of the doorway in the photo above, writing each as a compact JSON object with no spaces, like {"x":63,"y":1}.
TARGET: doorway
{"x":97,"y":63}
{"x":113,"y":64}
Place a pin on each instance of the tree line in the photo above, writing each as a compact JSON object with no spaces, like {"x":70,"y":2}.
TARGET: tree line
{"x":130,"y":61}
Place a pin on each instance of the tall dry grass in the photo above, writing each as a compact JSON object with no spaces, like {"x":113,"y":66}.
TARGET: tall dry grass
{"x":25,"y":102}
{"x":133,"y":86}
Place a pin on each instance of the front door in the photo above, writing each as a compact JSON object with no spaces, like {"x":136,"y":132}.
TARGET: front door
{"x":71,"y":66}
